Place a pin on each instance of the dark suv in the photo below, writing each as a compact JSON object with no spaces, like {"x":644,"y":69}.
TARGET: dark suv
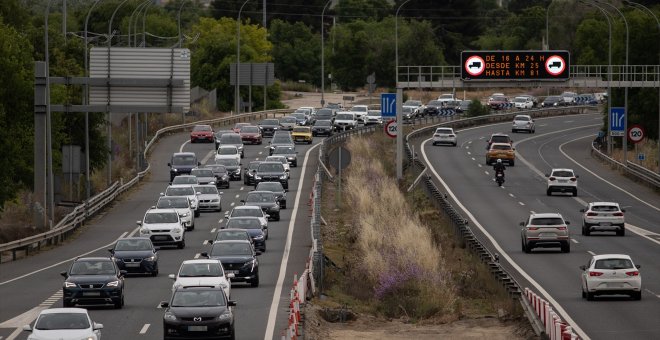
{"x":239,"y":258}
{"x":136,"y":255}
{"x":276,"y":188}
{"x":182,"y":163}
{"x":265,"y":200}
{"x":271,"y":172}
{"x":198,"y":312}
{"x":93,"y":281}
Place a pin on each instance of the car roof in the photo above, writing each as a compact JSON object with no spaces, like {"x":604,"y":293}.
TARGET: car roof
{"x":611,"y":256}
{"x":179,"y":185}
{"x":528,"y":116}
{"x":605,"y":203}
{"x":134,"y":238}
{"x":561,"y":169}
{"x":184,"y":154}
{"x":504,"y":144}
{"x":244,"y":218}
{"x":205,"y":185}
{"x":232,"y":241}
{"x":200,"y":261}
{"x":183,"y":176}
{"x":64,"y":310}
{"x":260,"y":192}
{"x":542,"y":215}
{"x":160,"y":210}
{"x":499,"y":134}
{"x":94,"y":258}
{"x":238,"y":207}
{"x":227,"y":146}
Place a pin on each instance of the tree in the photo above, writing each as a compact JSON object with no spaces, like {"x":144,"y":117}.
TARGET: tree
{"x":349,"y":10}
{"x":306,"y":11}
{"x":296,"y":51}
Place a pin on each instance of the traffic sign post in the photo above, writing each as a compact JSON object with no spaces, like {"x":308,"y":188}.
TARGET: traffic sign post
{"x":617,"y":121}
{"x":388,"y":104}
{"x":390,"y":128}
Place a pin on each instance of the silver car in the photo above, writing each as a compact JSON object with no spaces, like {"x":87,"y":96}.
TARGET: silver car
{"x":204,"y":175}
{"x":444,"y":135}
{"x":209,"y":197}
{"x":546,"y":230}
{"x":523,"y":123}
{"x":64,"y":323}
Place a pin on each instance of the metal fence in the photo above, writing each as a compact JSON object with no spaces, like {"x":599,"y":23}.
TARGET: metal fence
{"x":633,"y":170}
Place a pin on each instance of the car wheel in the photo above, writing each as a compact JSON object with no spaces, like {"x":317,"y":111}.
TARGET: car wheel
{"x":154,"y":273}
{"x":182,"y":244}
{"x":590,"y":296}
{"x":487,"y":161}
{"x":513,"y":131}
{"x":585,"y":230}
{"x":119,"y":303}
{"x":192,"y":227}
{"x":566,"y":247}
{"x":219,"y":208}
{"x":284,"y":205}
{"x":548,"y":192}
{"x":621,"y":232}
{"x":255,"y":282}
{"x":512,"y":163}
{"x":197,"y":213}
{"x":523,"y":247}
{"x":574,"y":192}
{"x":528,"y":247}
{"x":636,"y":295}
{"x":584,"y":295}
{"x":66,"y":304}
{"x":455,"y":144}
{"x":277,"y":217}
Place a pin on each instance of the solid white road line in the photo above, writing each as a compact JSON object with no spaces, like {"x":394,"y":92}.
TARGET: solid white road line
{"x":574,"y":241}
{"x":474,"y":159}
{"x":510,"y":194}
{"x":197,"y":255}
{"x":272,"y":315}
{"x":469,"y":153}
{"x":208,"y":156}
{"x":183,"y":145}
{"x":521,"y":203}
{"x":213,"y":230}
{"x":145,"y":327}
{"x":61,"y":262}
{"x":591,"y":253}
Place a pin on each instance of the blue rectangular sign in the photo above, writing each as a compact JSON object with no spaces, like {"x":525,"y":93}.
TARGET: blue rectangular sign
{"x":388,"y":104}
{"x":617,"y":121}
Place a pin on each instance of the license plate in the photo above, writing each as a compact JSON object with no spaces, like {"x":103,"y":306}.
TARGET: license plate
{"x":563,"y":181}
{"x":132,"y":265}
{"x":546,"y":235}
{"x":605,"y":224}
{"x":91,"y":293}
{"x":614,"y":285}
{"x":160,"y":237}
{"x":197,"y":328}
{"x":232,"y":271}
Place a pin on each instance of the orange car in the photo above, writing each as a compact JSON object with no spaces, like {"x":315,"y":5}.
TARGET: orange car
{"x":503,"y":151}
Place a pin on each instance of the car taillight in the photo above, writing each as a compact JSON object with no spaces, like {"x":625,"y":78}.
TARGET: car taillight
{"x":533,"y":228}
{"x":618,"y":214}
{"x":561,"y":228}
{"x":633,"y":273}
{"x":595,"y":273}
{"x":552,"y":178}
{"x":573,"y":179}
{"x":592,"y":214}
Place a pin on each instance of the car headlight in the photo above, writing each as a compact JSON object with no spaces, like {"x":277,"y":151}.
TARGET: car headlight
{"x":184,"y":214}
{"x":193,"y":201}
{"x":212,"y":182}
{"x":259,"y":237}
{"x":145,"y":231}
{"x":238,"y":171}
{"x":224,"y":317}
{"x":215,"y":200}
{"x":177,"y":230}
{"x":113,"y":284}
{"x":175,"y":170}
{"x":290,"y":158}
{"x":150,"y":258}
{"x":257,"y":177}
{"x":224,"y":177}
{"x":69,"y":285}
{"x":250,"y":264}
{"x":224,"y":285}
{"x":169,"y":316}
{"x":283,"y":176}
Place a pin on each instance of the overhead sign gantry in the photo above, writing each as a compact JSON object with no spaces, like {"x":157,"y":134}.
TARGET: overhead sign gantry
{"x":515,"y":65}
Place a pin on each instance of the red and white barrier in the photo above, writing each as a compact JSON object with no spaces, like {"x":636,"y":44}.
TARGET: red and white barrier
{"x":555,"y":328}
{"x":296,"y":299}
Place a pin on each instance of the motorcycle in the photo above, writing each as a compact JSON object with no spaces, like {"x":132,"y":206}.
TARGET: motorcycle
{"x":499,"y":178}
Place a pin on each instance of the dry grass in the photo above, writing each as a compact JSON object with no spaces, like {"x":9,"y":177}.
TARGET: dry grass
{"x":646,"y":146}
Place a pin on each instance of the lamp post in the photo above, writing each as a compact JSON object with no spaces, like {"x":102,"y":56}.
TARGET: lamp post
{"x":396,"y":40}
{"x":609,"y":72}
{"x":323,"y":54}
{"x":137,"y":9}
{"x":399,"y":98}
{"x":657,"y":22}
{"x":238,"y":58}
{"x":86,"y":101}
{"x":50,"y":202}
{"x":178,"y":19}
{"x":625,"y":89}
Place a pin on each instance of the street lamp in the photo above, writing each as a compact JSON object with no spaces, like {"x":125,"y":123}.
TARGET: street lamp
{"x":396,"y":41}
{"x":323,"y":55}
{"x":137,"y":9}
{"x":647,"y":10}
{"x":609,"y":73}
{"x":49,"y":142}
{"x":85,"y":102}
{"x":178,"y":19}
{"x":625,"y":89}
{"x":238,"y":57}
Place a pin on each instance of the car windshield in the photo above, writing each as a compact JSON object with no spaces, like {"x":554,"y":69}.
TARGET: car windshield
{"x":284,"y":150}
{"x":344,"y":116}
{"x":130,"y":244}
{"x":270,"y":167}
{"x":180,"y":191}
{"x":522,"y":118}
{"x":501,"y":147}
{"x":67,"y":320}
{"x":323,"y":123}
{"x":207,"y":189}
{"x":260,"y":197}
{"x":228,"y":161}
{"x":407,"y":109}
{"x":444,"y":131}
{"x":270,"y":186}
{"x":288,"y":120}
{"x":184,"y":180}
{"x":434,"y":103}
{"x":605,"y":208}
{"x":172,"y":202}
{"x":202,"y":172}
{"x":373,"y":113}
{"x":446,"y":96}
{"x":217,"y":168}
{"x":91,"y":267}
{"x":360,"y":109}
{"x":301,"y":129}
{"x":520,"y":99}
{"x":324,"y":112}
{"x":161,"y":217}
{"x":227,"y":151}
{"x":231,"y":138}
{"x":184,"y":160}
{"x":413,"y":103}
{"x":229,"y":234}
{"x":202,"y":128}
{"x":254,"y":165}
{"x":244,"y":223}
{"x":547,"y":221}
{"x":552,"y":99}
{"x":298,"y":115}
{"x":198,"y":298}
{"x":499,"y":99}
{"x":285,"y":139}
{"x":224,"y":249}
{"x":280,"y":159}
{"x":613,"y":264}
{"x":201,"y":269}
{"x":252,"y":212}
{"x":562,"y":173}
{"x":249,"y":129}
{"x":500,"y":139}
{"x":270,"y":122}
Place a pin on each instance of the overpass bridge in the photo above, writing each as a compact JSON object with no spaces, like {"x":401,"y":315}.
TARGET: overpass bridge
{"x":585,"y":76}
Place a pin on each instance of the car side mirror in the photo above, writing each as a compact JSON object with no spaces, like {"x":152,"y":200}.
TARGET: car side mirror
{"x":98,"y":326}
{"x":164,"y":304}
{"x":122,"y":273}
{"x":546,"y":175}
{"x":577,"y":176}
{"x":581,"y":210}
{"x":638,"y":266}
{"x":567,"y":222}
{"x":243,"y":201}
{"x":253,"y":171}
{"x":169,"y":164}
{"x":522,"y":224}
{"x":287,"y":170}
{"x":27,"y":328}
{"x":258,"y":253}
{"x":172,"y":276}
{"x":230,"y":275}
{"x":227,"y":214}
{"x":199,"y":163}
{"x":623,"y":210}
{"x":112,"y":251}
{"x":583,"y":267}
{"x":231,"y":303}
{"x":204,"y":254}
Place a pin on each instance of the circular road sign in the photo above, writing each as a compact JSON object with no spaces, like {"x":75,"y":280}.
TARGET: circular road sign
{"x":555,"y":65}
{"x":390,"y":128}
{"x":636,"y":133}
{"x":474,"y":65}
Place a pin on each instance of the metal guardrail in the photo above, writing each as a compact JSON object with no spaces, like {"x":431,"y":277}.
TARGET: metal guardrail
{"x":636,"y":171}
{"x":80,"y":213}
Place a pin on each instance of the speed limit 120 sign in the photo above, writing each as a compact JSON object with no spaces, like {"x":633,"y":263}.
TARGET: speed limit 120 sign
{"x":390,"y":128}
{"x":636,"y":133}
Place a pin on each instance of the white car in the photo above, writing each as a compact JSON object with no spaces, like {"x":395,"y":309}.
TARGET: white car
{"x":247,"y":211}
{"x":184,"y":190}
{"x":603,"y":216}
{"x":611,"y":274}
{"x":523,"y":103}
{"x":64,"y":323}
{"x":416,"y":106}
{"x":281,"y":159}
{"x":373,"y":117}
{"x":360,"y":112}
{"x":345,"y":121}
{"x":182,"y":206}
{"x":228,"y":152}
{"x":209,"y":197}
{"x":163,"y":227}
{"x":446,"y":97}
{"x":523,"y":123}
{"x":444,"y":135}
{"x":185,"y":179}
{"x":202,"y":272}
{"x":562,"y":180}
{"x":204,"y":175}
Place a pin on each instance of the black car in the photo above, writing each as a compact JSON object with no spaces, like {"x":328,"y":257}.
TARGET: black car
{"x":266,"y":201}
{"x":280,"y":140}
{"x":277,"y":188}
{"x":248,"y":179}
{"x":218,"y":134}
{"x":239,"y":258}
{"x":233,"y":167}
{"x":136,"y":255}
{"x":324,"y":114}
{"x":198,"y":312}
{"x":93,"y":281}
{"x":322,"y":127}
{"x":181,"y":163}
{"x":221,"y":175}
{"x":271,"y":172}
{"x":257,"y":231}
{"x":288,"y":151}
{"x":232,"y":234}
{"x":269,"y":126}
{"x":433,"y":108}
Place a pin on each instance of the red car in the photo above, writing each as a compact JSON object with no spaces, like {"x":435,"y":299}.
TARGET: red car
{"x":202,"y":133}
{"x":238,"y":126}
{"x":498,"y":102}
{"x":251,"y":134}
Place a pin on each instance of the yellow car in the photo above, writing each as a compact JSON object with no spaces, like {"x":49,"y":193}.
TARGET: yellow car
{"x":503,"y":151}
{"x":302,"y":134}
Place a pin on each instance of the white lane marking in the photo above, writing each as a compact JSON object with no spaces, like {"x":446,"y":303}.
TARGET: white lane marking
{"x":183,"y":145}
{"x":205,"y":242}
{"x":602,"y":179}
{"x":237,"y":196}
{"x":486,"y":172}
{"x":272,"y":315}
{"x":591,"y":253}
{"x":145,"y":327}
{"x":521,"y":203}
{"x":473,"y":159}
{"x":133,"y":232}
{"x":197,"y":255}
{"x":470,"y":142}
{"x":231,"y":205}
{"x":510,"y":194}
{"x":574,"y":241}
{"x":560,"y":310}
{"x":241,"y":189}
{"x":15,"y":333}
{"x":568,"y":121}
{"x":208,"y":156}
{"x":479,"y":165}
{"x":159,"y":306}
{"x":260,"y":152}
{"x":649,"y":235}
{"x":532,"y":212}
{"x":646,"y":289}
{"x":469,"y":153}
{"x":213,"y":230}
{"x":61,"y":262}
{"x":23,"y":319}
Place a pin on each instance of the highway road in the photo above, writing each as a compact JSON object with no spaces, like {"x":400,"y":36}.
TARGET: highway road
{"x":34,"y":283}
{"x":495,"y":214}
